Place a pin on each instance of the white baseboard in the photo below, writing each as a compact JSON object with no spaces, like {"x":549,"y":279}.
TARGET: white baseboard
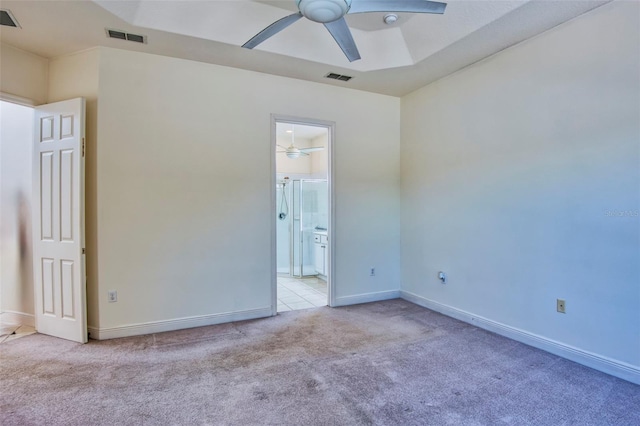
{"x":366,"y":298}
{"x":610,"y":366}
{"x":175,"y":324}
{"x":19,"y":318}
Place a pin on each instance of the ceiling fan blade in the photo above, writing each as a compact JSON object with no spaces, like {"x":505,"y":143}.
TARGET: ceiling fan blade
{"x":272,"y":30}
{"x":413,"y":6}
{"x":342,"y":35}
{"x":312,"y":149}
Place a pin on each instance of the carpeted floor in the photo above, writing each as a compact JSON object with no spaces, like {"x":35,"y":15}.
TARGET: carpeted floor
{"x":385,"y":363}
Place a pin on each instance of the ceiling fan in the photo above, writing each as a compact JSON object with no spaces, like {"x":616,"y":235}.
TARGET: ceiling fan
{"x":294,"y":152}
{"x":331,"y":13}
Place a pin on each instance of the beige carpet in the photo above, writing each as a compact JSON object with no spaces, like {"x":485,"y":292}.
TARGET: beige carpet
{"x":385,"y":363}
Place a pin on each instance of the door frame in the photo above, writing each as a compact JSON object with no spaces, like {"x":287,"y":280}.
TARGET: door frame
{"x":57,"y":248}
{"x":331,"y":127}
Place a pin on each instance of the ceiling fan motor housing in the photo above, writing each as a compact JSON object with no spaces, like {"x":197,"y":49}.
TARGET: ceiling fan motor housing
{"x":293,"y":152}
{"x":324,"y":11}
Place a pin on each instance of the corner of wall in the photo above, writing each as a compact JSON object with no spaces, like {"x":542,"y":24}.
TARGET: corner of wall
{"x":24,"y":76}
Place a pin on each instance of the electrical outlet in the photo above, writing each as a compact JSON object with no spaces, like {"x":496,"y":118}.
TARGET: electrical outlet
{"x":560,"y":306}
{"x":373,"y":272}
{"x":112,"y":296}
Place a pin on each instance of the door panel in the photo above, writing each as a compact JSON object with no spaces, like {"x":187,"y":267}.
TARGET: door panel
{"x":59,"y":271}
{"x":46,"y":195}
{"x":66,"y":195}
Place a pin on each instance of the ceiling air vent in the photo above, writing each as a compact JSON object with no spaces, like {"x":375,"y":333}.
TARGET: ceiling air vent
{"x":340,"y":77}
{"x":126,"y":36}
{"x":7,"y":19}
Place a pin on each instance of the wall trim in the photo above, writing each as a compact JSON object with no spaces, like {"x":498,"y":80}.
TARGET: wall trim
{"x":606,"y":365}
{"x":18,"y":318}
{"x":14,"y":99}
{"x":366,"y":298}
{"x":175,"y":324}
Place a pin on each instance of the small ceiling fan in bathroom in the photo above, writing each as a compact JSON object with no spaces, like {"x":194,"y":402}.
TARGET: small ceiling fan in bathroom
{"x":331,"y":13}
{"x":292,"y":151}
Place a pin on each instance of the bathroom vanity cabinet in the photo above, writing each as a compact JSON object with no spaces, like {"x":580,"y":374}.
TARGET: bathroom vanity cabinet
{"x":321,"y":252}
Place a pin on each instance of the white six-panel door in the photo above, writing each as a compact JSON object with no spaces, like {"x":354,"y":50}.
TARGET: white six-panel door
{"x":58,"y":220}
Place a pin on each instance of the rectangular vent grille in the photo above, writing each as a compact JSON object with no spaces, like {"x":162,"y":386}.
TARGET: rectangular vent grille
{"x":7,"y":19}
{"x":126,"y":36}
{"x":340,"y":77}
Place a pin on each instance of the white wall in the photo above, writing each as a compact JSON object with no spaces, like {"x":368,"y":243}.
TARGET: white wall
{"x":319,"y":159}
{"x":183,"y":187}
{"x":16,"y":273}
{"x":509,"y":171}
{"x":23,"y":74}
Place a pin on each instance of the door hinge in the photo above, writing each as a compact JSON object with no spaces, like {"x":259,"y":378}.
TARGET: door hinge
{"x":83,"y":147}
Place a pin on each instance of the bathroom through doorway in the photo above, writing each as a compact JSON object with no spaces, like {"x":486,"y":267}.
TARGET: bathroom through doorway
{"x":303,"y":214}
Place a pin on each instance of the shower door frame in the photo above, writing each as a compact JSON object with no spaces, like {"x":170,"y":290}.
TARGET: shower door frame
{"x":330,"y":126}
{"x":292,"y":239}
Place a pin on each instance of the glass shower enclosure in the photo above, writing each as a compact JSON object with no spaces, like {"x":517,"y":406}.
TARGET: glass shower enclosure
{"x":309,"y":213}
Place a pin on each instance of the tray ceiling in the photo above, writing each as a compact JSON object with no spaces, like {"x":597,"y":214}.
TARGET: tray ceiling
{"x":396,"y":59}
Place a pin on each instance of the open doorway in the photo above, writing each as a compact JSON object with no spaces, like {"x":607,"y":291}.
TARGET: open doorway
{"x":42,"y":274}
{"x":302,"y":213}
{"x":16,"y":253}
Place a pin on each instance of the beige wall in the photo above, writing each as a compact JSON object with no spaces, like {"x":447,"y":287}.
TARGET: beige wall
{"x":521,"y":180}
{"x":23,"y":74}
{"x":181,"y":192}
{"x":75,"y":76}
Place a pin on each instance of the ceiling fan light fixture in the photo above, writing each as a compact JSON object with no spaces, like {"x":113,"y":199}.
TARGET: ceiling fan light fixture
{"x":324,"y":11}
{"x":332,"y":13}
{"x":293,"y":152}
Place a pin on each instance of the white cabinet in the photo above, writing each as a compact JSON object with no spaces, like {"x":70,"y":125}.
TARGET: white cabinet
{"x":321,"y":258}
{"x":320,"y":255}
{"x":326,"y":260}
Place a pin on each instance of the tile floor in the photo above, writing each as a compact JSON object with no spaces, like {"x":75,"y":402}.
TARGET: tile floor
{"x":10,"y":332}
{"x":301,"y":293}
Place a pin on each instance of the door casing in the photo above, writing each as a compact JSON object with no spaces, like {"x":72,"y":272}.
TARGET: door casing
{"x":330,"y":125}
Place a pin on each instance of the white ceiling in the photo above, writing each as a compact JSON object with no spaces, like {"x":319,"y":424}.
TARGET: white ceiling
{"x":396,"y":59}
